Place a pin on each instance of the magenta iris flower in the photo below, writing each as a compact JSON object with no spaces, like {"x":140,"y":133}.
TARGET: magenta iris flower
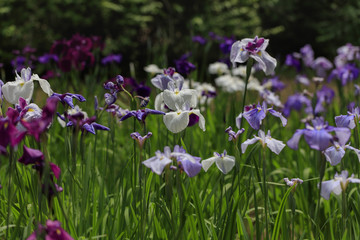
{"x":40,"y":125}
{"x":318,"y":136}
{"x":51,"y":231}
{"x":256,"y":115}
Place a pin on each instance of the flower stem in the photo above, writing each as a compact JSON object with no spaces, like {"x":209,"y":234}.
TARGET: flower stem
{"x":265,"y":193}
{"x":248,"y":73}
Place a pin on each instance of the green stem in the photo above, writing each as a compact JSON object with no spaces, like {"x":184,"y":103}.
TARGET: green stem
{"x":9,"y":192}
{"x":248,"y":73}
{"x":343,"y":208}
{"x":265,"y":193}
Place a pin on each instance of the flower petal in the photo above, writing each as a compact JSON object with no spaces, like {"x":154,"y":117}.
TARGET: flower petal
{"x":45,"y":85}
{"x":330,"y":186}
{"x":176,"y":121}
{"x":248,"y":142}
{"x":274,"y":145}
{"x":206,"y":164}
{"x":279,"y":115}
{"x":334,"y":155}
{"x":225,"y":164}
{"x":293,"y":142}
{"x":12,"y":91}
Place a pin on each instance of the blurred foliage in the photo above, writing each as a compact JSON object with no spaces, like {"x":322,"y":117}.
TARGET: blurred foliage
{"x":325,"y":24}
{"x":147,"y":31}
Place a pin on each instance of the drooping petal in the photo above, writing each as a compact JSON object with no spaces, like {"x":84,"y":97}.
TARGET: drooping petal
{"x":201,"y":118}
{"x":206,"y":164}
{"x":357,"y":151}
{"x":157,"y":165}
{"x":45,"y":85}
{"x":330,"y":186}
{"x":345,"y":121}
{"x":279,"y":115}
{"x":89,"y":128}
{"x":274,"y":145}
{"x":266,"y":62}
{"x":343,"y":135}
{"x":334,"y":155}
{"x":293,"y":142}
{"x":248,"y":142}
{"x":176,"y":121}
{"x":237,"y":54}
{"x":318,"y":139}
{"x":225,"y":164}
{"x":254,"y":117}
{"x":12,"y":91}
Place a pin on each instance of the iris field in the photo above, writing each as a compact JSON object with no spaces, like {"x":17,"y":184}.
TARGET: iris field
{"x":245,"y":147}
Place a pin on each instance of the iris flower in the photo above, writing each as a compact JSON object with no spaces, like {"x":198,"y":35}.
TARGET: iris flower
{"x":189,"y":164}
{"x":52,"y":230}
{"x":23,"y":86}
{"x":337,"y":185}
{"x":335,"y":153}
{"x":140,"y":139}
{"x":258,"y":113}
{"x":233,"y":136}
{"x":348,"y":120}
{"x":223,"y":161}
{"x":318,"y":136}
{"x":254,"y":48}
{"x":274,"y":145}
{"x":177,"y":121}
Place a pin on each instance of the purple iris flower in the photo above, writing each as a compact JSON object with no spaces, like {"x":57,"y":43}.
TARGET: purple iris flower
{"x":67,"y":98}
{"x":183,"y":66}
{"x":233,"y":136}
{"x":52,"y":231}
{"x":189,"y":164}
{"x":140,"y":139}
{"x":324,"y":96}
{"x":307,"y":55}
{"x":141,"y":114}
{"x":274,"y":83}
{"x":348,"y":120}
{"x":318,"y":136}
{"x":293,"y":61}
{"x":225,"y":45}
{"x":296,"y":102}
{"x":199,"y":39}
{"x":139,"y":88}
{"x":19,"y":63}
{"x":85,"y":124}
{"x":337,"y":185}
{"x":256,"y":115}
{"x":47,"y":58}
{"x":321,"y":65}
{"x":159,"y":161}
{"x":335,"y":153}
{"x":112,"y":58}
{"x":161,"y":81}
{"x":345,"y":74}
